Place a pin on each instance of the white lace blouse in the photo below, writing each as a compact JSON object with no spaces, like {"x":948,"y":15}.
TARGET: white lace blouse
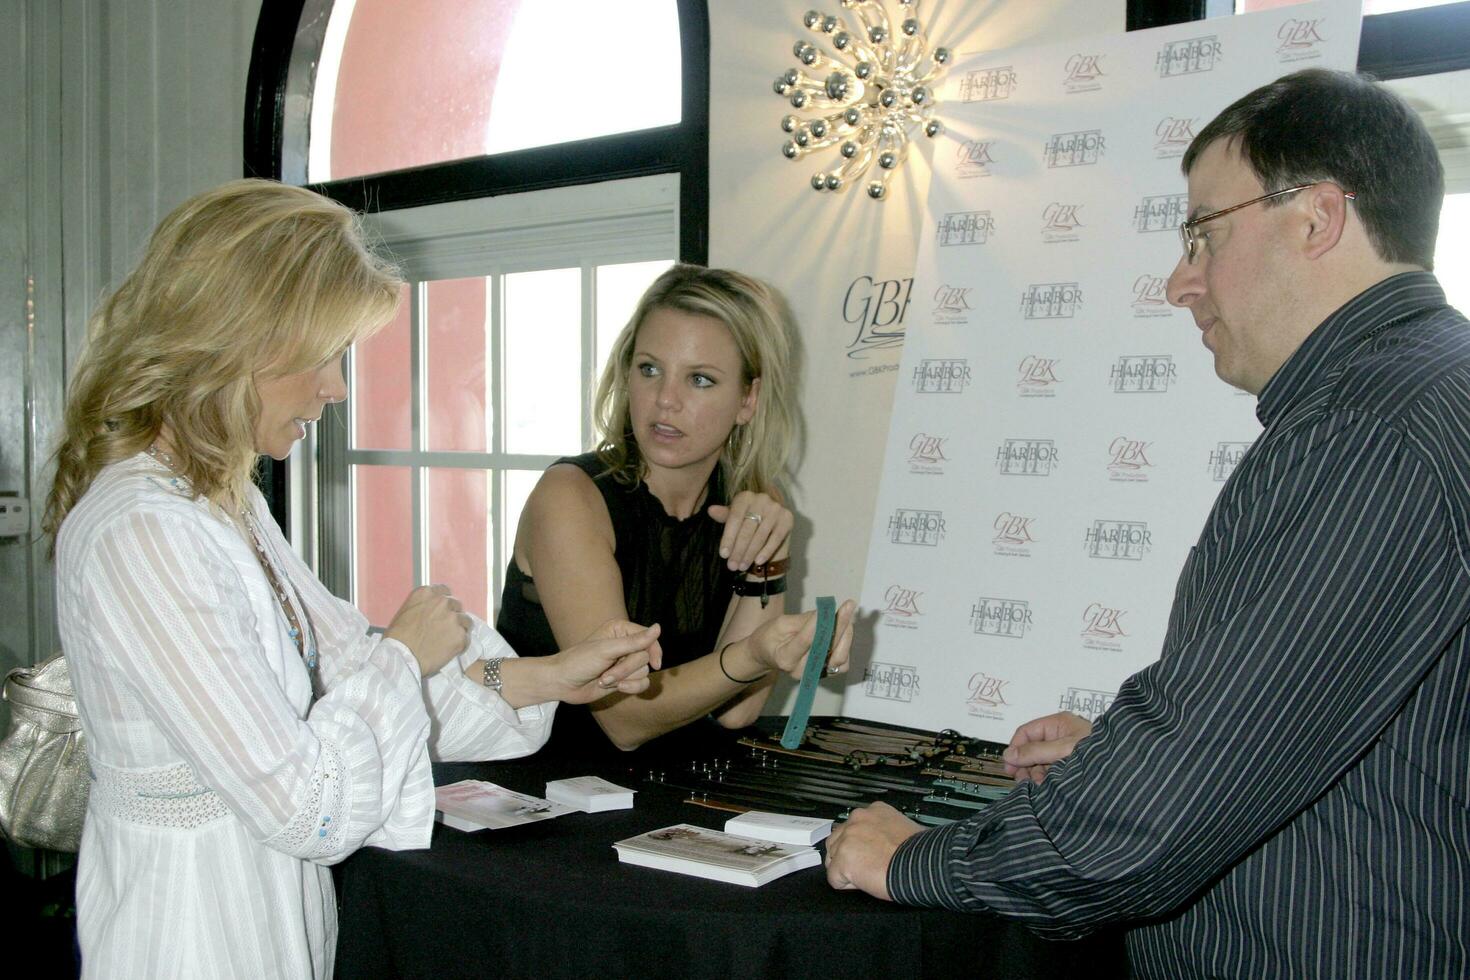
{"x":220,"y":792}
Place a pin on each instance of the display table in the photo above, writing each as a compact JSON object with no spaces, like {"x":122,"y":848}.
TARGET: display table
{"x":550,"y":899}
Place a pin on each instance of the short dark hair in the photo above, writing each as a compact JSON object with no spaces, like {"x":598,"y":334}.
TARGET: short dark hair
{"x":1331,"y":125}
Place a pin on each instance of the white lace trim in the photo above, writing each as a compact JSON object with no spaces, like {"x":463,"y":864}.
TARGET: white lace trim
{"x":166,"y":797}
{"x":320,"y":824}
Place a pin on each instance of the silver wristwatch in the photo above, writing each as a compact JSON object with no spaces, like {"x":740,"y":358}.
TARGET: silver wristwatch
{"x":492,"y":673}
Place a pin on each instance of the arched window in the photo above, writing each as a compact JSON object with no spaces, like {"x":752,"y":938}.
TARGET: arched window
{"x":531,"y":167}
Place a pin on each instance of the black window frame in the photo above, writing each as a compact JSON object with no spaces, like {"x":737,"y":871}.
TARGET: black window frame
{"x":1426,"y":41}
{"x":682,"y":148}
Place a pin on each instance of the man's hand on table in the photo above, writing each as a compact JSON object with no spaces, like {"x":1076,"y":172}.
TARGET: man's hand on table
{"x":859,"y":851}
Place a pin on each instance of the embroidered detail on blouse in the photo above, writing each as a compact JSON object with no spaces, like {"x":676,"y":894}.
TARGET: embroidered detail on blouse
{"x":167,"y":797}
{"x":320,"y":822}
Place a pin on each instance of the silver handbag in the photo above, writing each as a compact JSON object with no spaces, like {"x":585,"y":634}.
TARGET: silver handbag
{"x":43,"y":760}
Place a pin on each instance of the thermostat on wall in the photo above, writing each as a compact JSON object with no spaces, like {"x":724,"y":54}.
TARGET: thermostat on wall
{"x":15,"y":517}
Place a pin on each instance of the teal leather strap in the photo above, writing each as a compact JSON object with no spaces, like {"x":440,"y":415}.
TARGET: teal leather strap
{"x":816,"y":661}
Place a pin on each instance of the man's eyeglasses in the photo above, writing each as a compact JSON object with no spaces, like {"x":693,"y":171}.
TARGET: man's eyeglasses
{"x":1186,"y":229}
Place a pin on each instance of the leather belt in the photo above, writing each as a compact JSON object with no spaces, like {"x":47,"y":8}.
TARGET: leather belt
{"x":816,"y":662}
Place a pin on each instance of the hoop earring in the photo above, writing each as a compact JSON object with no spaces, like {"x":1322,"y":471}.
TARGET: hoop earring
{"x":738,"y":437}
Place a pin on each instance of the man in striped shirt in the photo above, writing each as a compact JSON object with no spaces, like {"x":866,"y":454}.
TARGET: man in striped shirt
{"x":1284,"y":793}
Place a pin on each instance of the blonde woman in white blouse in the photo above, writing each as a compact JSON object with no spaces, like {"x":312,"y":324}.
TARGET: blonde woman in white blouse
{"x":243,"y":727}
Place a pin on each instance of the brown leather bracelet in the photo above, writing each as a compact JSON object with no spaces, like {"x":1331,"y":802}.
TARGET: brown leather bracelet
{"x":770,"y":569}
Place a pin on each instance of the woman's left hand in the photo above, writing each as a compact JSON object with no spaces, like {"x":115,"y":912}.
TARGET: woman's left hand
{"x":616,"y":658}
{"x":783,"y":643}
{"x":757,"y":527}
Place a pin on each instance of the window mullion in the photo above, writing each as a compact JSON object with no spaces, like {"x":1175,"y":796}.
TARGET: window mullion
{"x":589,"y":347}
{"x":335,"y":502}
{"x":418,"y":393}
{"x":495,"y":397}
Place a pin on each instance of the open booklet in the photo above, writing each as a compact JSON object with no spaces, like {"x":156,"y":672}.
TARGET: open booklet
{"x":718,"y":856}
{"x":472,"y":804}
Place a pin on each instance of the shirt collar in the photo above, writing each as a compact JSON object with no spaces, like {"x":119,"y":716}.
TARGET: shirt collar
{"x":1377,"y":307}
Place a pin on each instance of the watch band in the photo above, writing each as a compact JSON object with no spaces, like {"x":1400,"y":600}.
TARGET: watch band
{"x":492,"y":673}
{"x":816,"y":661}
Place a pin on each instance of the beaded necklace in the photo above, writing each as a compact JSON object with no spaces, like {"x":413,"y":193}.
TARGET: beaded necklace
{"x":305,"y":640}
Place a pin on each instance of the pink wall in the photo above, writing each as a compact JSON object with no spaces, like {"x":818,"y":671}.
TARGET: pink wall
{"x":415,"y":86}
{"x":459,"y":500}
{"x":416,"y":82}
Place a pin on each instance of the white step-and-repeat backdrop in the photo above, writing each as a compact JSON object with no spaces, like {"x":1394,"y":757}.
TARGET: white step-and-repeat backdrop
{"x":1058,"y":432}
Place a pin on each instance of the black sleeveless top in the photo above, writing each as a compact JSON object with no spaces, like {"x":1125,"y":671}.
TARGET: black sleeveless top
{"x":672,"y":575}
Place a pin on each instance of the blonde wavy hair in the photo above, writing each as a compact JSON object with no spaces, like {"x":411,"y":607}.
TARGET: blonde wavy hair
{"x":762,"y":326}
{"x":251,"y":279}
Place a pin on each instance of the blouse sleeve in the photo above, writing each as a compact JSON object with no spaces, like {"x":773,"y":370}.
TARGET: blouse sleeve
{"x":178,"y":634}
{"x":468,"y":722}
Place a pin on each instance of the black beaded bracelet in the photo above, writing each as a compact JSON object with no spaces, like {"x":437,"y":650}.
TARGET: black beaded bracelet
{"x":726,"y":672}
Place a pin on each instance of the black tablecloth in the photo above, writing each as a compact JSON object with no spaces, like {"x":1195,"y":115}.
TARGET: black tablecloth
{"x":550,"y":899}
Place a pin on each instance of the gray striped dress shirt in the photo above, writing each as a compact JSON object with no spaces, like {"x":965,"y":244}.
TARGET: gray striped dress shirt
{"x":1284,"y":793}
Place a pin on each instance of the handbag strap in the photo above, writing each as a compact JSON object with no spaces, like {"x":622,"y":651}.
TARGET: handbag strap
{"x":42,"y":695}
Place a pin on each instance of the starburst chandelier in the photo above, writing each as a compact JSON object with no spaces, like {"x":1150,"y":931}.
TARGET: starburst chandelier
{"x":868,"y":91}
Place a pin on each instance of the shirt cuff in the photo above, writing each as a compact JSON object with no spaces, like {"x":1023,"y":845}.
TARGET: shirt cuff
{"x":919,"y":873}
{"x":527,"y":718}
{"x":385,"y":644}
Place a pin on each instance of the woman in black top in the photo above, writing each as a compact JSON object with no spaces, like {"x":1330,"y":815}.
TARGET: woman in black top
{"x":676,"y":517}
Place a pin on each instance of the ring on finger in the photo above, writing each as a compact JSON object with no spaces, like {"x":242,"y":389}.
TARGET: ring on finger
{"x":753,"y":517}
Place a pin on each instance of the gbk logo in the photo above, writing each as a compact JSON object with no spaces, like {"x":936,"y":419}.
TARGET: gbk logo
{"x":1151,"y":296}
{"x":965,"y":228}
{"x":973,"y":159}
{"x":1118,"y":540}
{"x":1102,"y":627}
{"x":902,"y":602}
{"x":1174,"y":136}
{"x":1299,"y":40}
{"x":891,"y":682}
{"x":1059,"y":222}
{"x":1010,"y":618}
{"x":920,"y":527}
{"x":877,"y":309}
{"x":1038,"y":376}
{"x":1161,"y":212}
{"x":1080,"y":149}
{"x":926,"y":454}
{"x":1051,"y":300}
{"x":902,"y":610}
{"x":987,"y":695}
{"x":1013,"y":535}
{"x":942,"y":376}
{"x":1026,"y":457}
{"x":1129,"y":461}
{"x":1188,"y":57}
{"x":952,"y":304}
{"x":988,"y":84}
{"x":1224,"y":458}
{"x":1086,"y":702}
{"x":1084,"y":73}
{"x":1143,"y":374}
